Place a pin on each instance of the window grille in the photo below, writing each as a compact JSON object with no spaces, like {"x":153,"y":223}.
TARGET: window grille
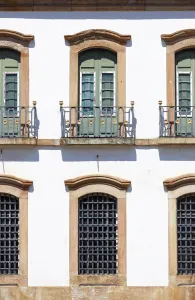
{"x":9,"y":234}
{"x":98,"y":234}
{"x":186,"y":234}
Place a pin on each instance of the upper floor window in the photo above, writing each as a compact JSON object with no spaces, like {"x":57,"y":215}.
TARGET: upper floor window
{"x":177,"y":114}
{"x":10,"y":80}
{"x":17,"y":118}
{"x":97,"y":86}
{"x":98,"y":77}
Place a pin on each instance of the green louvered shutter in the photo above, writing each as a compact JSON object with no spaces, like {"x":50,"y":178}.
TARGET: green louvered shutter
{"x":97,"y":91}
{"x":108,"y":101}
{"x":11,"y":92}
{"x":185,"y":96}
{"x":10,"y":95}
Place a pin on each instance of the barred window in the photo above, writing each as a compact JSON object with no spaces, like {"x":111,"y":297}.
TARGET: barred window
{"x":186,"y":234}
{"x":98,"y":234}
{"x":9,"y":234}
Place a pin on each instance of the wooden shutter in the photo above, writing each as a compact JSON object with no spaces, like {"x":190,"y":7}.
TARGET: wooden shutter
{"x":108,"y":74}
{"x":185,"y":79}
{"x":87,"y":82}
{"x":10,"y":67}
{"x":185,"y":96}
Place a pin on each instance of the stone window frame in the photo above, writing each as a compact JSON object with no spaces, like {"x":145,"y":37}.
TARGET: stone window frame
{"x":177,"y":187}
{"x":19,"y":42}
{"x":19,"y":188}
{"x":97,"y":38}
{"x":79,"y":187}
{"x":175,"y":42}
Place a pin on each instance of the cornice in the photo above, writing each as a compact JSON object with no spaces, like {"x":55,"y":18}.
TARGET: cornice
{"x":97,"y":34}
{"x":78,"y":182}
{"x":177,"y":36}
{"x":97,"y":5}
{"x":9,"y":180}
{"x":179,"y":181}
{"x":18,"y":36}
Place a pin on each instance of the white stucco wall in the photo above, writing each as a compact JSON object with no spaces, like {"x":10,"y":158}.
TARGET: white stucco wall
{"x":147,"y":203}
{"x":145,"y":65}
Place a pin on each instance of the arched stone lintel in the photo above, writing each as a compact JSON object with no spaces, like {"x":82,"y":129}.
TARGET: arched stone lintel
{"x":13,"y":181}
{"x":173,"y":38}
{"x":97,"y":34}
{"x":17,"y":36}
{"x":179,"y":181}
{"x":78,"y":182}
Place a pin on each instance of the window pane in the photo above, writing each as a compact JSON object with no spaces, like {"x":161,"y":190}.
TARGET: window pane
{"x":11,"y":92}
{"x":107,"y":90}
{"x":97,"y":234}
{"x":87,"y":93}
{"x":184,"y":91}
{"x":9,"y":234}
{"x":186,"y":234}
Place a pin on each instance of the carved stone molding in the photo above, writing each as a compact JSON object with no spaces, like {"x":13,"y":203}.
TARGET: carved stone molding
{"x":17,"y":36}
{"x":9,"y":180}
{"x":97,"y":34}
{"x":171,"y":39}
{"x":179,"y":181}
{"x":78,"y":182}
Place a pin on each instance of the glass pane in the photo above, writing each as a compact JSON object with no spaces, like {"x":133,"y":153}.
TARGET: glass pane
{"x":11,"y":92}
{"x":184,"y":92}
{"x":107,"y":92}
{"x":87,"y":93}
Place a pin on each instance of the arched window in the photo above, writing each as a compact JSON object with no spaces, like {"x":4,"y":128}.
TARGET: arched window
{"x":14,"y":230}
{"x":98,"y":234}
{"x":97,"y":230}
{"x":9,"y":234}
{"x":177,"y":115}
{"x":97,"y":105}
{"x":181,"y":210}
{"x":186,"y":234}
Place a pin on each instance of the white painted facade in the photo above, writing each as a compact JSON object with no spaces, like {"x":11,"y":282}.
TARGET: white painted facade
{"x":146,"y":167}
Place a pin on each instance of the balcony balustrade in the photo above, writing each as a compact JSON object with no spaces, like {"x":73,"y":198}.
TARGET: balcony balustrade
{"x":97,"y":122}
{"x":18,"y":122}
{"x":176,"y":121}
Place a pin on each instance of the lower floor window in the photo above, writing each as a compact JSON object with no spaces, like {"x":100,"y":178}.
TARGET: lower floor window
{"x":9,"y":234}
{"x":186,"y":234}
{"x":98,"y":234}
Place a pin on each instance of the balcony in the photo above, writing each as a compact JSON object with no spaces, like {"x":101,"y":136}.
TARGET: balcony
{"x":97,"y":125}
{"x":18,"y":122}
{"x":176,"y":121}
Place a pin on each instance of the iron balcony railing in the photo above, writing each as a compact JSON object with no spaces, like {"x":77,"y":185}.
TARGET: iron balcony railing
{"x":97,"y":121}
{"x":20,"y":121}
{"x":176,"y":121}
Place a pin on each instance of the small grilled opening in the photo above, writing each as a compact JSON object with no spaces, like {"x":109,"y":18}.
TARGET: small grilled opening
{"x":9,"y":234}
{"x":186,"y":234}
{"x":98,"y":234}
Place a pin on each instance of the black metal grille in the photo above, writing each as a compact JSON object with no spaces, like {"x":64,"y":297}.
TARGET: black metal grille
{"x":186,"y":234}
{"x":98,"y":234}
{"x":9,"y":234}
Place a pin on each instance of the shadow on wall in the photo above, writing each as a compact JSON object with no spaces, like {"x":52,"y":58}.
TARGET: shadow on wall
{"x":18,"y":154}
{"x":100,"y":15}
{"x":105,"y":153}
{"x":177,"y":154}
